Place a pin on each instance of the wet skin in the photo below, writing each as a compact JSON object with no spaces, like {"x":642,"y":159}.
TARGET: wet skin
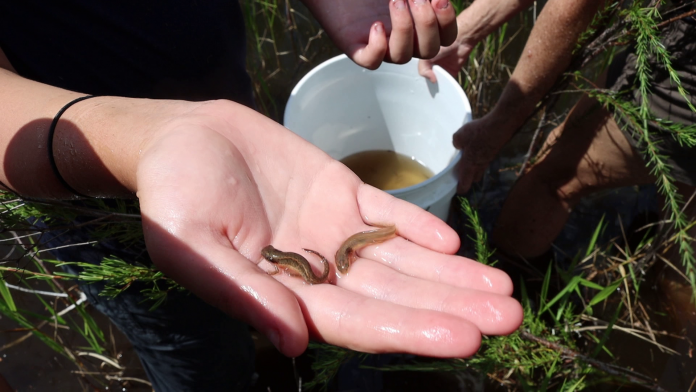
{"x":296,"y":263}
{"x":346,"y":254}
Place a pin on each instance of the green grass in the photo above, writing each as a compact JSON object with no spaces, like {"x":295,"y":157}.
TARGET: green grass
{"x":562,"y":339}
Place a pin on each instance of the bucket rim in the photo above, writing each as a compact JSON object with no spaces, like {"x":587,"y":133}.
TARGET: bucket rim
{"x":441,"y":74}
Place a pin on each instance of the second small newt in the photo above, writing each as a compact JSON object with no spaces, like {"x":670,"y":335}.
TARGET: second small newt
{"x":295,"y":262}
{"x":346,"y":254}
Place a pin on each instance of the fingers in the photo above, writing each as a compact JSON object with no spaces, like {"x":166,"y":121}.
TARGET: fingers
{"x":470,"y":168}
{"x":427,"y":42}
{"x":412,"y":222}
{"x":419,"y":29}
{"x":367,"y":324}
{"x":425,"y":69}
{"x":460,"y":137}
{"x":371,"y":55}
{"x":413,"y":260}
{"x":401,"y":37}
{"x":465,"y":174}
{"x":446,"y":20}
{"x":492,"y":314}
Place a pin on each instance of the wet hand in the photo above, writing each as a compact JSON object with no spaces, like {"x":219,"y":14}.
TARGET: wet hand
{"x":222,"y":182}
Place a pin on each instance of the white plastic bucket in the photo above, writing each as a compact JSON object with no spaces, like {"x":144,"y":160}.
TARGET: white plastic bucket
{"x":343,"y":109}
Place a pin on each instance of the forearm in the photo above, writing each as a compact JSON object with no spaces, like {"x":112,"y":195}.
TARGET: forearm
{"x":97,"y":142}
{"x":483,"y":17}
{"x":546,"y":55}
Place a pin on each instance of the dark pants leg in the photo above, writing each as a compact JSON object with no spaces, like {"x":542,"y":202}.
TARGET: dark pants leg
{"x":184,"y":344}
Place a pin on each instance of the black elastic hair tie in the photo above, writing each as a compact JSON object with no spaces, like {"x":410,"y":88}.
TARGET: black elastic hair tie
{"x":51,"y":132}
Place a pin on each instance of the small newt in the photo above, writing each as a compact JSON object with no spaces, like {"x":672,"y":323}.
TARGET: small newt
{"x":346,"y":254}
{"x":295,"y":262}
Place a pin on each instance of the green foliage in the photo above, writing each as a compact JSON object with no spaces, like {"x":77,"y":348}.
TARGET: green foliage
{"x":7,"y":297}
{"x":647,"y":41}
{"x":327,"y":361}
{"x":643,"y":31}
{"x":283,"y":41}
{"x":460,"y":5}
{"x":487,"y":70}
{"x":480,"y":239}
{"x":119,"y":275}
{"x":536,"y":356}
{"x":533,"y":358}
{"x":113,"y":219}
{"x":103,"y":219}
{"x":644,"y":23}
{"x":16,"y":211}
{"x":599,"y":22}
{"x":25,"y":322}
{"x":636,"y":120}
{"x":26,"y":319}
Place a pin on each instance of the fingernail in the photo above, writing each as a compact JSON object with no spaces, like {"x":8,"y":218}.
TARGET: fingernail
{"x":443,"y":4}
{"x":399,"y":4}
{"x":377,"y":27}
{"x":419,"y":2}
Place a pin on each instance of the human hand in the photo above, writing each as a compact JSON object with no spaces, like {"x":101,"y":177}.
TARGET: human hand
{"x":373,"y":31}
{"x":480,"y":141}
{"x":451,"y":58}
{"x":213,"y":194}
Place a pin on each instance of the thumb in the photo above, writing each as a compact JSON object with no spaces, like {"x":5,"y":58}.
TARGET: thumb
{"x":465,"y":175}
{"x":371,"y":55}
{"x":425,"y":69}
{"x":459,"y":139}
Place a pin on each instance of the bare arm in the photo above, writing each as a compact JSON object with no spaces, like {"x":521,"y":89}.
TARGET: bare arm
{"x":102,"y":167}
{"x":474,"y":24}
{"x":546,"y":55}
{"x":483,"y":17}
{"x":217,"y":182}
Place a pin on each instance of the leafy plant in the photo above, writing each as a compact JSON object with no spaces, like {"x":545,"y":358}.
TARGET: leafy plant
{"x":543,"y":354}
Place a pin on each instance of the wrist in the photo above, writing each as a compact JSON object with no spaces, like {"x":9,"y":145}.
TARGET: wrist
{"x":502,"y":122}
{"x":51,"y":138}
{"x":98,"y":143}
{"x":465,"y":33}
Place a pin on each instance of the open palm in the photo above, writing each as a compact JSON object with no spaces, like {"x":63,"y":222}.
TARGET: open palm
{"x":212,"y":197}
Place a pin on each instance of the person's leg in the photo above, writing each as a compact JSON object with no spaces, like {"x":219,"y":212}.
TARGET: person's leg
{"x":587,"y":153}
